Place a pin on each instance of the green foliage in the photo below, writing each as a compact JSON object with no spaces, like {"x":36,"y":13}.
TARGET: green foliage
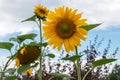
{"x":72,"y":58}
{"x":23,"y":68}
{"x":102,"y":62}
{"x":14,"y":39}
{"x":21,"y":38}
{"x":50,"y":55}
{"x":11,"y":78}
{"x":10,"y":70}
{"x":59,"y":75}
{"x":33,"y":18}
{"x":115,"y":74}
{"x":44,"y":44}
{"x":26,"y":36}
{"x":34,"y":65}
{"x":89,"y":27}
{"x":6,"y":45}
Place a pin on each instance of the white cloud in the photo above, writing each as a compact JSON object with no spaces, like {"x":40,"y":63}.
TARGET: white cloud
{"x":10,"y":24}
{"x":96,"y":11}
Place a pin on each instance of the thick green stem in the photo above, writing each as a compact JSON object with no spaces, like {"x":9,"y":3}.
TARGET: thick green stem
{"x":87,"y":73}
{"x":78,"y":65}
{"x":40,"y":71}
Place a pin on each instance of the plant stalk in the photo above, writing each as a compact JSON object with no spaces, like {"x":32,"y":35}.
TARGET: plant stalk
{"x":78,"y":67}
{"x":40,"y":71}
{"x":87,"y":73}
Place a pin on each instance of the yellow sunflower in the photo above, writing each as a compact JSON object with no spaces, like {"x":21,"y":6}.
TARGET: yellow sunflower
{"x":62,"y":28}
{"x":41,"y":11}
{"x":27,"y":55}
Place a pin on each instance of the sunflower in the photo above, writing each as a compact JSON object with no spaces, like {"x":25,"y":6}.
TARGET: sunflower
{"x":41,"y":11}
{"x":63,"y":28}
{"x":27,"y":55}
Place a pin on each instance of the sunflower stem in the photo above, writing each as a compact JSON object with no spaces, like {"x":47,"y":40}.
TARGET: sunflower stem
{"x":40,"y":71}
{"x":78,"y":67}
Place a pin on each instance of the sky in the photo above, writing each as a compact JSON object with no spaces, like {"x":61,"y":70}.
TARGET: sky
{"x":95,"y":11}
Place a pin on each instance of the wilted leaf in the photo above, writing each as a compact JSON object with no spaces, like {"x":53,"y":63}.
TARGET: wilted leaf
{"x":102,"y":62}
{"x":30,"y":19}
{"x":72,"y":58}
{"x":6,"y":45}
{"x":89,"y":27}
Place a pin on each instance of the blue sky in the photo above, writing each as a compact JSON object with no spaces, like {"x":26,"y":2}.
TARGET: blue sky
{"x":96,"y":11}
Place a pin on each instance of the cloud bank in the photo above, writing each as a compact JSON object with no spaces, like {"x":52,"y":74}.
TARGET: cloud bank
{"x":96,"y":11}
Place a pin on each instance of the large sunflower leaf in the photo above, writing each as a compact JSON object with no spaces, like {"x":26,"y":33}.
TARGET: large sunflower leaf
{"x":26,"y":36}
{"x":6,"y":45}
{"x":72,"y":58}
{"x":30,"y":18}
{"x":89,"y":27}
{"x":14,"y":39}
{"x":102,"y":62}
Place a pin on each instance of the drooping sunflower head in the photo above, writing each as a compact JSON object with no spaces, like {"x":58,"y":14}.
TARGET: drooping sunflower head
{"x":62,"y":28}
{"x":27,"y":55}
{"x":41,"y":11}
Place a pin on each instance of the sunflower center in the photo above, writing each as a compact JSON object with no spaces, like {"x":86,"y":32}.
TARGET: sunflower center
{"x":65,"y":29}
{"x":42,"y":11}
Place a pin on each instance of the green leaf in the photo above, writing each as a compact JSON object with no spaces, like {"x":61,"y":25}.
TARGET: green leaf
{"x":30,"y":19}
{"x":21,"y":38}
{"x":102,"y":62}
{"x":10,"y":70}
{"x":6,"y":45}
{"x":90,"y":26}
{"x":14,"y":39}
{"x":44,"y":44}
{"x":23,"y":68}
{"x":34,"y":65}
{"x":72,"y":58}
{"x":11,"y":78}
{"x":59,"y":75}
{"x":50,"y":55}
